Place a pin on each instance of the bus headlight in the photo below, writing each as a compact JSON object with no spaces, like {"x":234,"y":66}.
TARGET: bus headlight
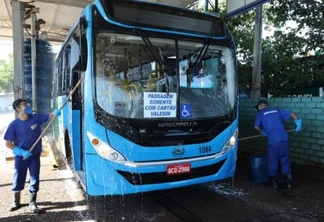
{"x":105,"y":150}
{"x":232,"y":140}
{"x":230,"y":143}
{"x":114,"y":156}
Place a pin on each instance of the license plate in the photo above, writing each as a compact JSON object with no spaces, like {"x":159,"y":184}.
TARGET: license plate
{"x":178,"y":169}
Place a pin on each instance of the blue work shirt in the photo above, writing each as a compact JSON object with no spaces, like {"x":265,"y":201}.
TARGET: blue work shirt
{"x":24,"y":133}
{"x":271,"y":121}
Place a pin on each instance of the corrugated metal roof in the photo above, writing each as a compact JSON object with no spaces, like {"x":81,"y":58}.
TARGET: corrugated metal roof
{"x":59,"y":15}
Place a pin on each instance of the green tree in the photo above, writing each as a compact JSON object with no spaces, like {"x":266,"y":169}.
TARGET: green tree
{"x":279,"y":68}
{"x":242,"y":29}
{"x":6,"y":75}
{"x":283,"y":66}
{"x":292,"y":45}
{"x":307,"y":14}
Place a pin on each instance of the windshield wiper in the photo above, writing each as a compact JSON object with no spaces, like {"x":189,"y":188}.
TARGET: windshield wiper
{"x":193,"y":67}
{"x":155,"y":55}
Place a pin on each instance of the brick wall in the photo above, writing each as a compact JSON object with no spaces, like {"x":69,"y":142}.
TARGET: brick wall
{"x":306,"y":147}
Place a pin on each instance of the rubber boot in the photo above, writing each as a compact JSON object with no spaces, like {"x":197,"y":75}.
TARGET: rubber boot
{"x":32,"y":204}
{"x":16,"y":204}
{"x":275,"y":183}
{"x":289,"y":181}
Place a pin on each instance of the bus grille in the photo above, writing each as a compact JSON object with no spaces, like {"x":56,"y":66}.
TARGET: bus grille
{"x":162,"y":177}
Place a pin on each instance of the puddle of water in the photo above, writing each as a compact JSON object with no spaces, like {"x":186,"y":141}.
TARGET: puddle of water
{"x":226,"y":189}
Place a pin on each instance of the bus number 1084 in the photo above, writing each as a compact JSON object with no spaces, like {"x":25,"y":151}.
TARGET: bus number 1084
{"x":205,"y":149}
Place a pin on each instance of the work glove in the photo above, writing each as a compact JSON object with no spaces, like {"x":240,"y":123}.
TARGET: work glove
{"x":18,"y":151}
{"x":26,"y":154}
{"x":263,"y":133}
{"x":299,"y":124}
{"x":57,"y":112}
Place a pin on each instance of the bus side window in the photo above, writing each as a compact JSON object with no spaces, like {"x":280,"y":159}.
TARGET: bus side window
{"x":76,"y":96}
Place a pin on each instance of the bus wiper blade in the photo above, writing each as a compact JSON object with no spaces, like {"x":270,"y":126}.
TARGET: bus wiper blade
{"x":193,"y":67}
{"x":151,"y":50}
{"x":153,"y":53}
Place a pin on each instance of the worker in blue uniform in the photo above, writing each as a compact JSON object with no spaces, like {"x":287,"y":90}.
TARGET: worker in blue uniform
{"x":20,"y":136}
{"x":269,"y":122}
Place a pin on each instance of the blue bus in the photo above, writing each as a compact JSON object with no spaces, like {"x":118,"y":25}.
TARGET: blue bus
{"x":156,"y":104}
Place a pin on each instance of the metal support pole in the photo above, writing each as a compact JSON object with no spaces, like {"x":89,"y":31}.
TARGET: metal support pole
{"x":256,"y":76}
{"x":18,"y":43}
{"x":207,"y":6}
{"x":216,"y":6}
{"x":33,"y":59}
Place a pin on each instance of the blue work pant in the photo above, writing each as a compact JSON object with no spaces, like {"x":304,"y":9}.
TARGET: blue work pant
{"x":278,"y":153}
{"x":20,"y":172}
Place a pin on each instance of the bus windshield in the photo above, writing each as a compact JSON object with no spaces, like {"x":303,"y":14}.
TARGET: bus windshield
{"x":139,"y":77}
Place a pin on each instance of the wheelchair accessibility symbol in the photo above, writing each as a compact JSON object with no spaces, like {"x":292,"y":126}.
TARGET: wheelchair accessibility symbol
{"x":185,"y":111}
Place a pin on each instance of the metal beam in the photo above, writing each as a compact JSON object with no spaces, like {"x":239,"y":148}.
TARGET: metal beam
{"x":8,"y":22}
{"x":72,"y":3}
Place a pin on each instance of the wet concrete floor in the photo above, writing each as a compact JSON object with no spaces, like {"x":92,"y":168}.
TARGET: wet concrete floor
{"x":243,"y":200}
{"x":63,"y":199}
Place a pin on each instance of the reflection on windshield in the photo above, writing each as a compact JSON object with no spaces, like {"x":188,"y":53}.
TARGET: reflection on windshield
{"x":131,"y":84}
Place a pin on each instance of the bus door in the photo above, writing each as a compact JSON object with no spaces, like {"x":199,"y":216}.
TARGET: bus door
{"x":76,"y":123}
{"x":79,"y":64}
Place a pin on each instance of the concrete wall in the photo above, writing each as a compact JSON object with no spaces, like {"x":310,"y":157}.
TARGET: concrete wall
{"x":306,"y":147}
